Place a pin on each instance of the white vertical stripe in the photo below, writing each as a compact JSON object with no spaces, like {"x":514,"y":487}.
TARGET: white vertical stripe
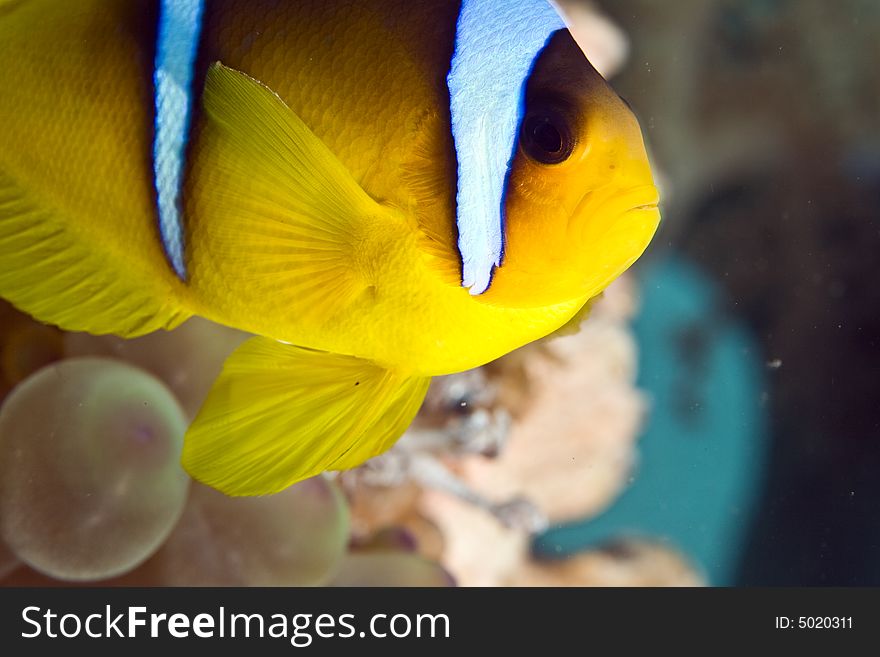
{"x":179,"y":28}
{"x":496,"y":44}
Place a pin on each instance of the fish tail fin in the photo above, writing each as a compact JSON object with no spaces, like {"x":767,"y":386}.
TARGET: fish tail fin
{"x":53,"y":271}
{"x":280,"y":413}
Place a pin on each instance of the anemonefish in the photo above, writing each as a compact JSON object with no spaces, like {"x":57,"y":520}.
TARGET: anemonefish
{"x":381,"y":191}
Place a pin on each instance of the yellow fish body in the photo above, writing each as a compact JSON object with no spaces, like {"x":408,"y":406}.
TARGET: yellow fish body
{"x":383,"y":191}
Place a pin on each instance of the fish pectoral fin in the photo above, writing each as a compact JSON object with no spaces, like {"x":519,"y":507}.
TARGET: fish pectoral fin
{"x":55,"y":271}
{"x":288,"y":224}
{"x":279,"y":413}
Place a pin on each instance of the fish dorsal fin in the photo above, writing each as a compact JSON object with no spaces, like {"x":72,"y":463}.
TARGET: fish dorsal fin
{"x":496,"y":44}
{"x":279,"y":223}
{"x":279,"y":414}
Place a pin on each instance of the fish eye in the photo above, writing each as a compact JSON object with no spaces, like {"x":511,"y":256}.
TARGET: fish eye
{"x":546,"y":136}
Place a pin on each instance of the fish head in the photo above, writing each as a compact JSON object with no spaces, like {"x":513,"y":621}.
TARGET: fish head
{"x":581,"y":205}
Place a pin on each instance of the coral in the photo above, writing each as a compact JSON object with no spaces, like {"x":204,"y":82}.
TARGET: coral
{"x":623,"y":563}
{"x":390,"y":569}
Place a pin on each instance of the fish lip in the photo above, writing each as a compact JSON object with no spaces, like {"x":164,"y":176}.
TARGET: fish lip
{"x":642,"y":197}
{"x":614,"y":203}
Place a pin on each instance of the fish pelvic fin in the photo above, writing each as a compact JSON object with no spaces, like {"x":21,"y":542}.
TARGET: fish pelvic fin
{"x":53,"y":269}
{"x":287,"y":230}
{"x":280,"y":413}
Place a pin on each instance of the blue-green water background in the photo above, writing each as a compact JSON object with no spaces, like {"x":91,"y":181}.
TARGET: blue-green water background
{"x":704,"y":450}
{"x":759,"y":329}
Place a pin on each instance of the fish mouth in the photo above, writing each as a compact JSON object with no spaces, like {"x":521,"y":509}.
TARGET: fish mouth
{"x":615,"y":229}
{"x":614,"y":203}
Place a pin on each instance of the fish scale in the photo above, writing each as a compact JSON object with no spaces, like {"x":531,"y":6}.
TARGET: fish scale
{"x":95,"y":120}
{"x":359,"y":108}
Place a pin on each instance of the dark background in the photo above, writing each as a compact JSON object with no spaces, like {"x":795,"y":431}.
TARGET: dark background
{"x":762,"y":118}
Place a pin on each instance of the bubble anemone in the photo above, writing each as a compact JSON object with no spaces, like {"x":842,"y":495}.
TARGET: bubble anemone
{"x":90,"y":481}
{"x":187,"y":359}
{"x":293,"y":538}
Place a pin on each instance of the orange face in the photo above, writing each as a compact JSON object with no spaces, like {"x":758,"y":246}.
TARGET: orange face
{"x":581,"y":204}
